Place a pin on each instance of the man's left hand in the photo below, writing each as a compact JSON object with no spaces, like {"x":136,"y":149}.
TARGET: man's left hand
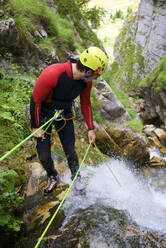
{"x":91,"y":136}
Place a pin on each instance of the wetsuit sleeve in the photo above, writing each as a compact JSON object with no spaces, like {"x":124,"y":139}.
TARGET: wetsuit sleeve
{"x":42,"y":91}
{"x":86,"y":107}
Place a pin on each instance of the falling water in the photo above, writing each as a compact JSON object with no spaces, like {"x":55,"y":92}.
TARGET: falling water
{"x":137,"y":199}
{"x":109,"y":215}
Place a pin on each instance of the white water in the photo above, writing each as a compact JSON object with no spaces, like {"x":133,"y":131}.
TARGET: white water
{"x":136,"y":197}
{"x":154,"y":151}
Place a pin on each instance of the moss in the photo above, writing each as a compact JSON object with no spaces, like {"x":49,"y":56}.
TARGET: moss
{"x":135,"y":125}
{"x":157,"y":78}
{"x":122,"y":70}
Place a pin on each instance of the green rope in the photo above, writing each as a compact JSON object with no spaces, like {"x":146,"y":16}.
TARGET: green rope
{"x":63,"y":157}
{"x":27,"y":138}
{"x":57,"y":210}
{"x":108,"y":166}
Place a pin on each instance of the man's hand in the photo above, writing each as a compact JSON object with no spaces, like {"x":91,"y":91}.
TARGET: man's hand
{"x":91,"y":136}
{"x":39,"y":134}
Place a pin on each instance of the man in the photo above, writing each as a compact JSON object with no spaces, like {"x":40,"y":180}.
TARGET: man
{"x":58,"y":85}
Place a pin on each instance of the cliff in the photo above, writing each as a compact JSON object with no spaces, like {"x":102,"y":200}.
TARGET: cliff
{"x":139,"y":48}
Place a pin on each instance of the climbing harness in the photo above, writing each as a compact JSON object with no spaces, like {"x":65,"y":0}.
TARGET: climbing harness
{"x":57,"y":210}
{"x":59,"y":117}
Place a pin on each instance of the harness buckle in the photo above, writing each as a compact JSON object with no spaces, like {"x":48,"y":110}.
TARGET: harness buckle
{"x":59,"y":117}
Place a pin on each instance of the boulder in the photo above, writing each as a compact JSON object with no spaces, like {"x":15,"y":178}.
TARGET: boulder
{"x":163,"y":150}
{"x":112,"y":109}
{"x":161,"y":134}
{"x":149,"y":130}
{"x":154,"y":141}
{"x":8,"y":34}
{"x":124,"y":143}
{"x":156,"y":161}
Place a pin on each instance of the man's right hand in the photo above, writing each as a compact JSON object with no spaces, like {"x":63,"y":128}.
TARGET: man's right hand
{"x":39,"y":134}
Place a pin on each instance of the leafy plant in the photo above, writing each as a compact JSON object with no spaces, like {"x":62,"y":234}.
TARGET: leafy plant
{"x":14,"y":95}
{"x":9,"y":200}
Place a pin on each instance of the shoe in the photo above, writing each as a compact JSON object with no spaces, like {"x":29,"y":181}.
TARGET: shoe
{"x":78,"y":186}
{"x":51,"y":184}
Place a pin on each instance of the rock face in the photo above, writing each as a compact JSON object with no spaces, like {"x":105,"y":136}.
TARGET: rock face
{"x":8,"y":34}
{"x":151,"y":31}
{"x":154,"y":109}
{"x":140,"y":45}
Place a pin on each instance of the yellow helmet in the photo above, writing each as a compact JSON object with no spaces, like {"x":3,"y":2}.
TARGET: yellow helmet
{"x":95,"y":59}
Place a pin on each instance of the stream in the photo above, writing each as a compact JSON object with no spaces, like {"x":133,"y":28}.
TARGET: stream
{"x":108,"y":215}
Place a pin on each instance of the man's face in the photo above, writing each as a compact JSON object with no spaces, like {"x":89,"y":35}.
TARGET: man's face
{"x":89,"y":75}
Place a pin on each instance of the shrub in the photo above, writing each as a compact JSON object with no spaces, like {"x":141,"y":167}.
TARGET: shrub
{"x":9,"y":200}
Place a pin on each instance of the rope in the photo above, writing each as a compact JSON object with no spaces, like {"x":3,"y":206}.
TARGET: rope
{"x":27,"y":138}
{"x":65,"y":119}
{"x":108,"y":166}
{"x":57,"y":210}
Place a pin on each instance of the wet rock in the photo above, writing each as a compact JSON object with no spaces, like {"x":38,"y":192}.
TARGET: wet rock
{"x":154,"y":141}
{"x":161,"y":134}
{"x":149,"y":130}
{"x":106,"y":144}
{"x":156,"y":161}
{"x":38,"y":173}
{"x":163,"y":150}
{"x":123,"y":142}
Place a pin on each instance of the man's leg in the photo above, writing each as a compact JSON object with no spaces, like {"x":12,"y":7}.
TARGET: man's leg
{"x":67,"y":139}
{"x":44,"y":153}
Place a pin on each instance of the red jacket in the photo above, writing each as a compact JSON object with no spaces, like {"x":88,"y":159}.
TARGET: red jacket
{"x":56,"y":89}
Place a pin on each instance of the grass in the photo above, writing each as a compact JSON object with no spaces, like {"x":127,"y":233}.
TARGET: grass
{"x":31,"y":15}
{"x":135,"y":125}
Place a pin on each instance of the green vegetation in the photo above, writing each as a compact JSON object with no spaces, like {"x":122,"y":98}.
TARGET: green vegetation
{"x":157,"y":78}
{"x":14,"y":95}
{"x":135,"y":125}
{"x":9,"y":200}
{"x":123,"y":71}
{"x":31,"y":15}
{"x":95,"y":15}
{"x":61,"y":26}
{"x":79,"y":19}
